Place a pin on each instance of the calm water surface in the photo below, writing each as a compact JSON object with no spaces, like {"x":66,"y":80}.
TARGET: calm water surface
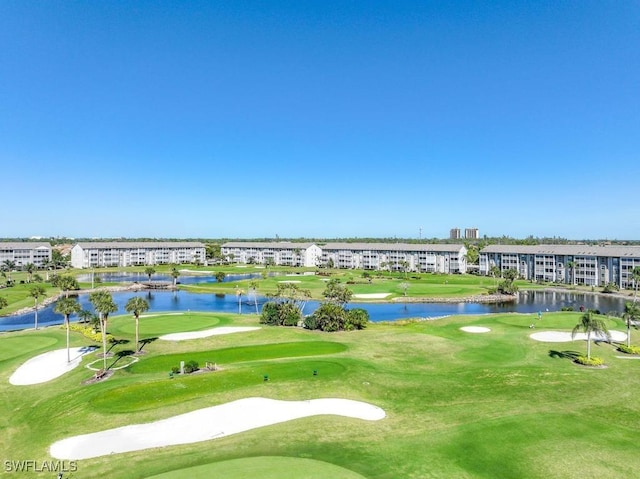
{"x":528,"y":302}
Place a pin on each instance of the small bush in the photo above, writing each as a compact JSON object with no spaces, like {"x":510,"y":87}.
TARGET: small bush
{"x":89,"y":332}
{"x":191,"y":366}
{"x":175,"y":370}
{"x":590,"y":362}
{"x":629,"y":349}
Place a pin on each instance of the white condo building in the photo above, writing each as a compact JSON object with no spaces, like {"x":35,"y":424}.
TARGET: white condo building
{"x":283,"y":253}
{"x":421,"y":257}
{"x":571,"y":264}
{"x":23,"y":253}
{"x":128,"y":253}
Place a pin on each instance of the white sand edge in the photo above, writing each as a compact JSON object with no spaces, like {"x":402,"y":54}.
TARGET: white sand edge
{"x":371,"y":295}
{"x":205,"y":424}
{"x":48,"y":366}
{"x":207,"y":332}
{"x":565,"y":336}
{"x":475,"y":329}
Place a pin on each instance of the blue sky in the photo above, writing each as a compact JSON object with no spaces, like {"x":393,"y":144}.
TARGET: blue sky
{"x":319,"y":118}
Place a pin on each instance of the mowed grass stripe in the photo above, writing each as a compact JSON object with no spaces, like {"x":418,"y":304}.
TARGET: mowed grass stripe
{"x":163,"y":392}
{"x":227,"y":356}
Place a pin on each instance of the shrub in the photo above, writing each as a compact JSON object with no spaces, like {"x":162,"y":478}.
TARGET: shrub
{"x":89,"y":332}
{"x":191,"y":366}
{"x":566,"y":308}
{"x":629,"y":349}
{"x":594,"y":361}
{"x":356,"y":319}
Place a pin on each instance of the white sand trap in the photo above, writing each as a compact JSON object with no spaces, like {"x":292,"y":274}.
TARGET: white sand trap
{"x":371,"y":295}
{"x":565,"y":336}
{"x":475,"y":329}
{"x":205,"y":424}
{"x":208,"y":332}
{"x":291,"y":281}
{"x":48,"y":366}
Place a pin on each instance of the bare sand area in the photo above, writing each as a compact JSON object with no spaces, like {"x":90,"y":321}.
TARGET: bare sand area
{"x":371,"y":295}
{"x":207,"y":332}
{"x":208,"y":423}
{"x":48,"y":366}
{"x":475,"y":329}
{"x":565,"y":336}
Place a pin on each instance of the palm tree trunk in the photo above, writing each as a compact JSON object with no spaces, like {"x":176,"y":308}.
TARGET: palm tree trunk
{"x":66,"y":322}
{"x":36,"y":315}
{"x":103,"y":325}
{"x":137,"y":333}
{"x":588,"y":344}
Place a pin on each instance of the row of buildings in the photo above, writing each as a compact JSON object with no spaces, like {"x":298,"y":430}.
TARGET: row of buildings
{"x":570,"y":264}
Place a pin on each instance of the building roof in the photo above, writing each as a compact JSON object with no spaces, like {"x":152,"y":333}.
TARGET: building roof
{"x":139,"y":244}
{"x":267,"y":244}
{"x":24,"y":245}
{"x":437,"y":247}
{"x":566,"y":249}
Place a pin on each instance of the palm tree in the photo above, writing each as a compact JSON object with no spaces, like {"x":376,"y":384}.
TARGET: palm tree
{"x":175,"y":274}
{"x":495,"y":272}
{"x":631,"y":314}
{"x":149,"y":270}
{"x":30,"y":268}
{"x":220,"y":275}
{"x":572,"y":267}
{"x":137,"y":306}
{"x":239,"y":293}
{"x":66,"y":307}
{"x":85,"y":315}
{"x":635,"y":275}
{"x":253,"y":284}
{"x":591,"y":324}
{"x":67,"y":283}
{"x":3,"y":302}
{"x":104,"y":305}
{"x":36,"y":292}
{"x":8,"y":266}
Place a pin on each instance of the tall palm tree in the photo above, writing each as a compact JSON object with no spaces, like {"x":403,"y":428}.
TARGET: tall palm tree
{"x":104,"y":305}
{"x":66,"y":307}
{"x":137,"y":306}
{"x":631,"y":314}
{"x":30,"y":268}
{"x":572,"y":266}
{"x":149,"y":270}
{"x":239,"y":293}
{"x":253,"y":284}
{"x":591,"y":324}
{"x":36,"y":292}
{"x":8,"y":266}
{"x":635,"y":275}
{"x":175,"y":274}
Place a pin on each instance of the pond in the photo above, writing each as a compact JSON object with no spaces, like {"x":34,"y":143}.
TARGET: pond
{"x":527,"y":302}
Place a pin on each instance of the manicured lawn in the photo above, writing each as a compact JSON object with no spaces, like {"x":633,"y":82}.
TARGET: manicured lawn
{"x":458,"y":405}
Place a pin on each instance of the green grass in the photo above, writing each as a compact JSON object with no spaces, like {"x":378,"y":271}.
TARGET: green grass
{"x":459,"y":405}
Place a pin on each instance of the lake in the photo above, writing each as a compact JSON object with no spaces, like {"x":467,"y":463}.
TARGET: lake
{"x":527,"y":302}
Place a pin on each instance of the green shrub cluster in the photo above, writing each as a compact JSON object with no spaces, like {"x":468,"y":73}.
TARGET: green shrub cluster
{"x":332,"y":317}
{"x":189,"y":367}
{"x":629,"y":349}
{"x":89,"y":332}
{"x":280,"y":314}
{"x":593,"y":361}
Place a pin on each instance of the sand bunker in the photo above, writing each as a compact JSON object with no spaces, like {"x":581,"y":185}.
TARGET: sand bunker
{"x":474,"y":329}
{"x":565,"y":336}
{"x":48,"y":366}
{"x":205,"y":424}
{"x":207,"y":332}
{"x":371,"y":295}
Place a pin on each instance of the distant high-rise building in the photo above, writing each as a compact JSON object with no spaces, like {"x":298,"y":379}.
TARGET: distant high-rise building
{"x":471,"y":233}
{"x":454,"y":233}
